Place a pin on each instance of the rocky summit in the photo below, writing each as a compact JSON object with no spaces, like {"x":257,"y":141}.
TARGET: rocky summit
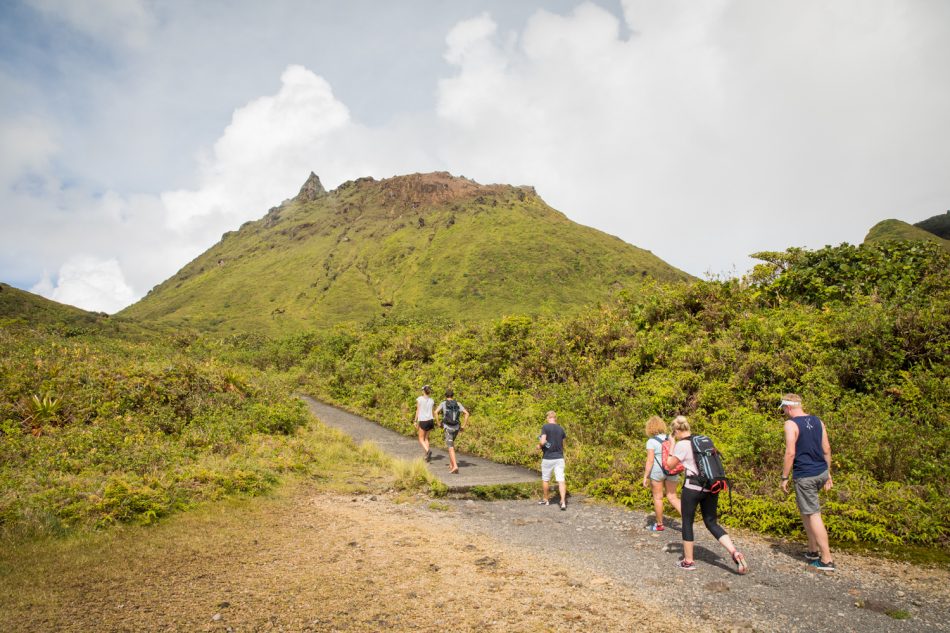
{"x":421,"y":246}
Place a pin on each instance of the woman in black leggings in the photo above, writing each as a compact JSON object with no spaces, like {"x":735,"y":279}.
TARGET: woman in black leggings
{"x":694,"y":495}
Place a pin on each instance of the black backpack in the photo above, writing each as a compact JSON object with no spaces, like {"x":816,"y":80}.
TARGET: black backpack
{"x":712,"y":475}
{"x":451,"y":413}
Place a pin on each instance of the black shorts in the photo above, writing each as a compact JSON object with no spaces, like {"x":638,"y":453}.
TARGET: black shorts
{"x":427,"y":425}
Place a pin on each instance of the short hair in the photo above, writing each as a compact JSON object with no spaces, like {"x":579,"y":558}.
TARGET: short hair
{"x":449,"y":393}
{"x":655,"y":426}
{"x":549,"y":415}
{"x":680,"y":423}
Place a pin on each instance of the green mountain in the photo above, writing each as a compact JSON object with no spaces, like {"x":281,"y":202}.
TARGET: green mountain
{"x":939,"y":225}
{"x":25,"y":307}
{"x":902,"y":231}
{"x":422,"y":246}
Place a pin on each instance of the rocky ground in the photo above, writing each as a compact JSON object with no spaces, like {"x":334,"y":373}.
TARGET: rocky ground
{"x":322,"y":562}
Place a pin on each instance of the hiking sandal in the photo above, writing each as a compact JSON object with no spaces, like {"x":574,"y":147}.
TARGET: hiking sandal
{"x":742,"y":567}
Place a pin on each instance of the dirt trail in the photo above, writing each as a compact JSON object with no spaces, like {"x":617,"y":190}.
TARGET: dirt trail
{"x":315,"y":562}
{"x":473,"y":471}
{"x":781,"y":593}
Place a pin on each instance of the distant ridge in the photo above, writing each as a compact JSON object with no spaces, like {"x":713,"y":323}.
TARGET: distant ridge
{"x":420,"y":246}
{"x":939,"y":225}
{"x":899,"y":230}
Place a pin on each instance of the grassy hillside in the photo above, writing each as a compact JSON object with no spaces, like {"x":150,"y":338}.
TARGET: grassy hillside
{"x":863,"y":333}
{"x":898,"y":230}
{"x":939,"y":225}
{"x":423,"y":246}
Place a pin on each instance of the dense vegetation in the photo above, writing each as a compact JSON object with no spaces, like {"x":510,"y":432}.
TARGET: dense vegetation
{"x":103,"y":422}
{"x":863,"y":333}
{"x":419,"y":246}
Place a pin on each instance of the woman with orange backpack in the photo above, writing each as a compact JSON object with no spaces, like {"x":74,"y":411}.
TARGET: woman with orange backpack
{"x":655,"y":475}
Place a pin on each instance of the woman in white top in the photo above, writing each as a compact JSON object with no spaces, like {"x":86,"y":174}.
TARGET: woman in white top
{"x":425,"y":419}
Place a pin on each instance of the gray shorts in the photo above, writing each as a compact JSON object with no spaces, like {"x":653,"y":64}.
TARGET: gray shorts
{"x":806,"y":493}
{"x":450,"y":433}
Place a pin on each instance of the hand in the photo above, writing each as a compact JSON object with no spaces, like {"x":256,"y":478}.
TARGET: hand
{"x":828,"y":483}
{"x":785,"y":486}
{"x":646,"y":482}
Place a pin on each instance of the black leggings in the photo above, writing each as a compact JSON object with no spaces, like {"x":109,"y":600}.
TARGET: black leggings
{"x":708,"y":503}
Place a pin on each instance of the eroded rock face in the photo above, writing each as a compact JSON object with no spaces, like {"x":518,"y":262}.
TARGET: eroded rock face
{"x":312,"y":189}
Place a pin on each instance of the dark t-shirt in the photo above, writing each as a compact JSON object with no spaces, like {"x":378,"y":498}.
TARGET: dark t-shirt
{"x":555,"y":440}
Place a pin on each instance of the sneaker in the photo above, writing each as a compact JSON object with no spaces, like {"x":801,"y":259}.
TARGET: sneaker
{"x":656,"y":527}
{"x":428,"y":456}
{"x":812,"y":556}
{"x":817,"y":564}
{"x":544,"y":502}
{"x":563,"y":506}
{"x":741,"y":566}
{"x":686,"y":565}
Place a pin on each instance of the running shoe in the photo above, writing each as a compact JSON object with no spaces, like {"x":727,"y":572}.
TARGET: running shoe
{"x":656,"y":527}
{"x":741,"y":566}
{"x":428,"y":456}
{"x":817,"y":564}
{"x":563,"y":506}
{"x":686,"y":565}
{"x":544,"y":502}
{"x":812,"y":555}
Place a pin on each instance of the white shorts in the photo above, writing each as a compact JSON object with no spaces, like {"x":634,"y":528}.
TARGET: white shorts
{"x":556,"y":465}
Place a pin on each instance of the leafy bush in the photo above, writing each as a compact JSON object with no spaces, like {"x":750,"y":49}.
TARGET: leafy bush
{"x":863,"y":333}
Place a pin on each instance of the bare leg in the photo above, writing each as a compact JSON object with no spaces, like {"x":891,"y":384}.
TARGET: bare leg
{"x":817,"y":536}
{"x":562,"y":488}
{"x":671,"y":494}
{"x":688,"y":551}
{"x":423,"y":439}
{"x":544,"y":490}
{"x":727,"y":543}
{"x":453,"y":466}
{"x":656,"y":487}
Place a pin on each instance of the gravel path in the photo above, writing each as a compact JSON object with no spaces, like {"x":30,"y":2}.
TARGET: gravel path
{"x":473,"y":471}
{"x":781,"y":593}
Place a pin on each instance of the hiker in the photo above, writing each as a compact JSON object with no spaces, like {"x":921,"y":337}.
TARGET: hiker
{"x":694,"y":495}
{"x":808,"y":461}
{"x":424,"y":420}
{"x":551,"y":445}
{"x":655,"y":476}
{"x":452,"y":422}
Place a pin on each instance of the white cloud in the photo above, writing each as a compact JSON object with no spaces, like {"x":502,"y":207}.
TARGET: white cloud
{"x":89,"y":283}
{"x":701,"y":130}
{"x":264,"y":153}
{"x":715,"y":129}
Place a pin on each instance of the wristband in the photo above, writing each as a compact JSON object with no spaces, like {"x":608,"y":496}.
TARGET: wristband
{"x":784,"y":478}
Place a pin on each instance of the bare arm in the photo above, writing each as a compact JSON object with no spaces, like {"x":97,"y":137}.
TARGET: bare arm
{"x":464,"y":418}
{"x":541,"y":441}
{"x":648,"y":466}
{"x":791,"y":436}
{"x":826,"y":449}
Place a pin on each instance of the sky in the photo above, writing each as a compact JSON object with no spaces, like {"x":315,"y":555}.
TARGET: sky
{"x":134,"y":133}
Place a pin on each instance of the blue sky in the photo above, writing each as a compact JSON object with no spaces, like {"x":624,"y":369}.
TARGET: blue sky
{"x":133,"y":133}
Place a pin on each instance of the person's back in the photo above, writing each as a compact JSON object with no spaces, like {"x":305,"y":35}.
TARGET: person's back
{"x":809,"y":455}
{"x":554,"y":447}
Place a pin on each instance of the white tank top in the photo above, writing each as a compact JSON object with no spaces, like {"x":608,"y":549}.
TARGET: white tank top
{"x":424,"y":408}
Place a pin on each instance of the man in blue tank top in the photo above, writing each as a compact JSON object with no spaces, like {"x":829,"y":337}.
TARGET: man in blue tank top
{"x":808,"y":460}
